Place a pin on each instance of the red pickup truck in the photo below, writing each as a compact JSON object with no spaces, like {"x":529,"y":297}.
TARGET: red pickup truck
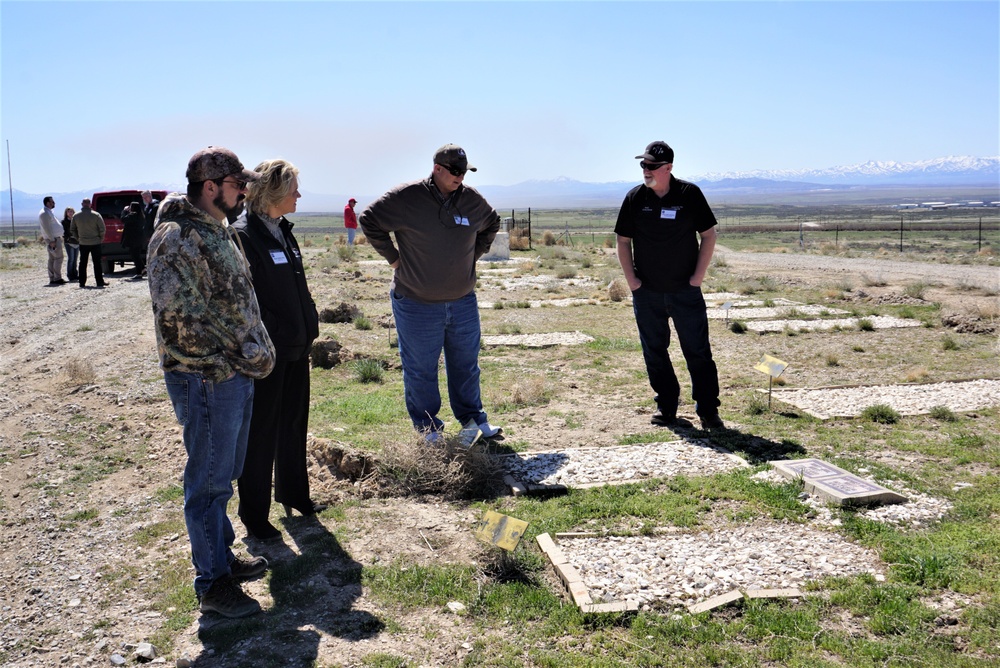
{"x":110,"y":205}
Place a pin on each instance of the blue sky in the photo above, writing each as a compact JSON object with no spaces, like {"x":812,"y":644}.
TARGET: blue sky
{"x":359,"y":95}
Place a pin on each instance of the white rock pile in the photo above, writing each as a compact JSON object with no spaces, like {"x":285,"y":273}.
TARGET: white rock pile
{"x":826,"y":403}
{"x":798,"y":325}
{"x":685,"y":568}
{"x":576,"y":467}
{"x":543,"y":340}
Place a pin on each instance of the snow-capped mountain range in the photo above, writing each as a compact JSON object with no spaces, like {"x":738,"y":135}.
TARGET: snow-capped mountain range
{"x":962,"y":169}
{"x":869,"y":181}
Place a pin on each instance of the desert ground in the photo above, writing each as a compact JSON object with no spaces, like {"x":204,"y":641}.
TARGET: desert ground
{"x":91,"y":456}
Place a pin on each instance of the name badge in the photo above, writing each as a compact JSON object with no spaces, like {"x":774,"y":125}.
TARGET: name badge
{"x":461,"y":220}
{"x":279,"y":257}
{"x":669,"y":214}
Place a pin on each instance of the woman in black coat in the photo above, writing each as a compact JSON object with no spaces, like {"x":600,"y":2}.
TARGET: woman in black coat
{"x":134,"y":237}
{"x":278,"y":427}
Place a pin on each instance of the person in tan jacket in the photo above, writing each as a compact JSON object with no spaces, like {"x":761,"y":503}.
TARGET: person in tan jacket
{"x":88,"y":228}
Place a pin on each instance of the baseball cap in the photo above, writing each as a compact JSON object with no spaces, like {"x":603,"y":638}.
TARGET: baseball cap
{"x":352,"y":201}
{"x":216,"y":162}
{"x":658,"y":151}
{"x":451,"y":155}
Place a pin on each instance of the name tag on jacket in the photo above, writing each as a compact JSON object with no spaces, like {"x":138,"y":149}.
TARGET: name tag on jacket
{"x":279,"y":257}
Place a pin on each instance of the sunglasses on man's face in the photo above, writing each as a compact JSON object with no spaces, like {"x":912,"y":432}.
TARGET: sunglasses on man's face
{"x":455,"y":171}
{"x":651,"y":167}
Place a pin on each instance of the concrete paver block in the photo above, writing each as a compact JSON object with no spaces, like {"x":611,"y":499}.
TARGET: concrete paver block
{"x":716,"y":602}
{"x":791,"y":592}
{"x":834,"y":484}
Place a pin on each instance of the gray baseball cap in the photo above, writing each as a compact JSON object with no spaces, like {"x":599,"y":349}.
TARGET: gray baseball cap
{"x":451,"y":155}
{"x":216,"y":162}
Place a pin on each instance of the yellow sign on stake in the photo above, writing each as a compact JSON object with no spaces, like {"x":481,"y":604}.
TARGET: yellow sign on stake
{"x":501,"y":530}
{"x":771,"y":366}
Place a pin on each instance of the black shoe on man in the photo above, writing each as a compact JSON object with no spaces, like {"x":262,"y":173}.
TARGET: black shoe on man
{"x":245,"y":569}
{"x":711,"y":421}
{"x":662,"y":419}
{"x":227,"y":598}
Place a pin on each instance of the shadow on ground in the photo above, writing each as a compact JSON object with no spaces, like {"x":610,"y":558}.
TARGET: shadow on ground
{"x":315,"y":588}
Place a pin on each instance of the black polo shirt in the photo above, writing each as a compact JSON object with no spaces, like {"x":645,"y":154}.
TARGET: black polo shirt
{"x":664,"y":232}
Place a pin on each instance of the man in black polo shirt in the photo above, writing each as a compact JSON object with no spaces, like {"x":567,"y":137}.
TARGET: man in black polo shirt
{"x":658,"y":229}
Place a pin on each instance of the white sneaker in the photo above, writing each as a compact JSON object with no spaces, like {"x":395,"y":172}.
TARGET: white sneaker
{"x":469,"y":435}
{"x":489,"y":431}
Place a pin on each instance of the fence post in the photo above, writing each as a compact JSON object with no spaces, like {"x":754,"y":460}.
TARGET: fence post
{"x":900,"y":234}
{"x":980,"y":233}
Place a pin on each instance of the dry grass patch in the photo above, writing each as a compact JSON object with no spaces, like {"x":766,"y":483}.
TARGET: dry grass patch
{"x":414,"y":466}
{"x":80,"y":371}
{"x":618,"y":290}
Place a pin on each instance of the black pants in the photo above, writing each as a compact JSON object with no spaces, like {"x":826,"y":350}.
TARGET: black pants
{"x":138,"y":258}
{"x":277,"y":443}
{"x":95,"y":251}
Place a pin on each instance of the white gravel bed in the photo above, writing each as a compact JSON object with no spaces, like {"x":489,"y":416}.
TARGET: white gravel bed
{"x":543,"y":303}
{"x":739,"y":313}
{"x":831,"y":402}
{"x":541,"y":282}
{"x":685,"y":568}
{"x":720,"y":298}
{"x":877,"y":321}
{"x":572,"y":467}
{"x":538,"y":340}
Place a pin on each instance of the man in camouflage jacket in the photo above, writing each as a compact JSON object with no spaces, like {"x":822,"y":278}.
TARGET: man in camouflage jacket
{"x":212,"y":344}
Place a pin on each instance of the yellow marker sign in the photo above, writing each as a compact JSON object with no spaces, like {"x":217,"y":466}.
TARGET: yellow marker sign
{"x":501,"y":530}
{"x":771,"y":366}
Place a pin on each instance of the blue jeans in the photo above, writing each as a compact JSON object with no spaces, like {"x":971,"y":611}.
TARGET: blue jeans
{"x":72,"y":260}
{"x":350,"y":235}
{"x":424,"y":331}
{"x":216,"y":421}
{"x":687,"y":309}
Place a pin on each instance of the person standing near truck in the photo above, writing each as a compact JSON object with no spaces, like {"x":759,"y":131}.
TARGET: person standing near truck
{"x":52,"y":233}
{"x":88,"y":228}
{"x":71,"y":245}
{"x":212,"y":345}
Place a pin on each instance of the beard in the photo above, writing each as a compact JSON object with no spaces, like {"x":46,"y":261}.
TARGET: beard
{"x":231,"y":211}
{"x":650,"y":181}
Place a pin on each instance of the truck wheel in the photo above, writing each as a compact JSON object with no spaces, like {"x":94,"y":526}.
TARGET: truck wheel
{"x":108,"y":266}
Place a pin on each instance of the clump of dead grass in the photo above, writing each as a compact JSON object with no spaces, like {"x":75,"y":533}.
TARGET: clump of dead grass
{"x":413,"y":466}
{"x":618,"y":290}
{"x":80,"y":371}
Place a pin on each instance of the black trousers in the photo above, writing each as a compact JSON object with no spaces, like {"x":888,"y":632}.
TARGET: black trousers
{"x":277,"y":443}
{"x":138,"y":258}
{"x":95,"y":252}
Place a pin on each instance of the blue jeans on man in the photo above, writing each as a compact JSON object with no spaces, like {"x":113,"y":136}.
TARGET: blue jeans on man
{"x":351,"y":231}
{"x":425,"y":330}
{"x":687,"y":310}
{"x":216,"y":421}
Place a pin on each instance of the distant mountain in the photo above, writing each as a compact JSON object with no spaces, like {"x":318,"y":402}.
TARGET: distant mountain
{"x":940,"y":171}
{"x":862,"y":182}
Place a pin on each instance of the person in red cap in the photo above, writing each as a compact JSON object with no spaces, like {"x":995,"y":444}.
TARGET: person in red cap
{"x":666,"y":237}
{"x":350,"y":221}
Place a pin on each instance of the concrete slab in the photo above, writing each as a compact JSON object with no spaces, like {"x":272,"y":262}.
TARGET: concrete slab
{"x":791,"y":592}
{"x":618,"y":607}
{"x":716,"y":602}
{"x":834,"y":484}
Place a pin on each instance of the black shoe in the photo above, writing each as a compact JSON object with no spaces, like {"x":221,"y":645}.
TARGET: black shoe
{"x":265,"y":532}
{"x":712,"y":421}
{"x":661,"y":419}
{"x":245,"y":569}
{"x":228,"y":599}
{"x":311,"y":509}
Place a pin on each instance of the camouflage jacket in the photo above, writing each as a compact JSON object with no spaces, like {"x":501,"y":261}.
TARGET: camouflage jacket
{"x":204,"y":308}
